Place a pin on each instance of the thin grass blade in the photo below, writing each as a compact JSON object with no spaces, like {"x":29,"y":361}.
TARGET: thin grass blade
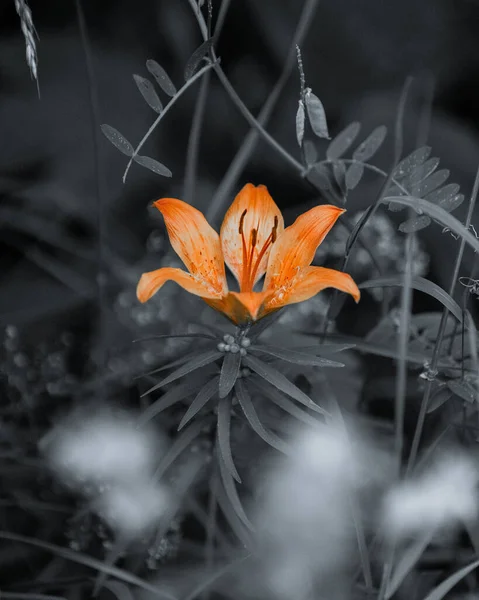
{"x":446,"y":586}
{"x":422,"y":285}
{"x":176,"y":394}
{"x":232,"y":493}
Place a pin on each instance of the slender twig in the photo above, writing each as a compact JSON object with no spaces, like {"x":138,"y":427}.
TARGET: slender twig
{"x":194,"y":140}
{"x":163,"y":113}
{"x":100,"y":190}
{"x":249,"y":143}
{"x":440,"y":335}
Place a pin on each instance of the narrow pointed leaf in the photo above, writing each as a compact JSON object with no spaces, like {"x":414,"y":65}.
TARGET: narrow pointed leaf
{"x":327,"y":348}
{"x":284,"y":403}
{"x":181,"y":443}
{"x":431,"y":183}
{"x":204,"y":395}
{"x":201,"y":360}
{"x":371,"y":144}
{"x":320,"y":176}
{"x":223,"y":434}
{"x":117,"y":139}
{"x":354,"y":175}
{"x":343,"y":141}
{"x":250,"y":413}
{"x":153,"y":165}
{"x":174,"y":363}
{"x":176,"y":394}
{"x":310,"y":152}
{"x":407,"y":561}
{"x":296,"y":357}
{"x":439,"y":592}
{"x":316,"y":115}
{"x":422,"y":285}
{"x":278,"y":380}
{"x":161,"y":77}
{"x":229,"y":373}
{"x":148,"y":92}
{"x":415,"y":224}
{"x":175,"y":336}
{"x":231,"y":492}
{"x":409,"y":164}
{"x":300,"y":118}
{"x":195,"y":58}
{"x":265,"y":323}
{"x":231,"y":515}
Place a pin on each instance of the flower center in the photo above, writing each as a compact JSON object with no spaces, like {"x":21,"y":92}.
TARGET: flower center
{"x":252,"y":254}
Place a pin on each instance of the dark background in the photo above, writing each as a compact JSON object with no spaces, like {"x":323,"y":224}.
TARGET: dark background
{"x":74,"y":240}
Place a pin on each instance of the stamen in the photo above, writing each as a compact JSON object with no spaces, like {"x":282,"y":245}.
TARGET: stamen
{"x":243,"y":215}
{"x":254,"y":239}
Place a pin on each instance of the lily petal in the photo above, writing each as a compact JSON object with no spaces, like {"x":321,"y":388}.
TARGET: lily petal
{"x":241,"y":307}
{"x":246,"y":253}
{"x":152,"y":281}
{"x":196,"y":243}
{"x":297,"y":245}
{"x":309,"y":282}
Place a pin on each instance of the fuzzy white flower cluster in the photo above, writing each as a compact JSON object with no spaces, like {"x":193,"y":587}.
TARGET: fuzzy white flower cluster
{"x":105,"y":457}
{"x":444,"y":496}
{"x":303,"y":520}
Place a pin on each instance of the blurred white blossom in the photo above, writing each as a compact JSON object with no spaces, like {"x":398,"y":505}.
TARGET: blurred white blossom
{"x":102,"y":447}
{"x":443,"y":496}
{"x":131,"y":510}
{"x":303,"y":518}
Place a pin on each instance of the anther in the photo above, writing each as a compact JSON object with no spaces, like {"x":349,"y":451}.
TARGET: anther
{"x":274,"y":230}
{"x":254,"y":237}
{"x":243,"y":215}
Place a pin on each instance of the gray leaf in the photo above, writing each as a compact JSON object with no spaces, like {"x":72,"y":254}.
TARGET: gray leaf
{"x":316,"y":115}
{"x":300,"y":117}
{"x":343,"y":141}
{"x":409,"y":164}
{"x":148,"y":92}
{"x":353,"y":175}
{"x":117,"y":139}
{"x":415,"y":224}
{"x":161,"y":77}
{"x":371,"y":144}
{"x":153,"y":165}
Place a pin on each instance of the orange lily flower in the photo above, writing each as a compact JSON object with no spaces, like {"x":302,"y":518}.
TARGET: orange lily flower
{"x":253,"y":242}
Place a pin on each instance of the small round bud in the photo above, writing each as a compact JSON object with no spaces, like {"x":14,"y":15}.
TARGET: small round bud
{"x":243,"y":351}
{"x":228,"y":338}
{"x":234,"y":348}
{"x":221,"y":346}
{"x":246,"y":342}
{"x":227,"y":347}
